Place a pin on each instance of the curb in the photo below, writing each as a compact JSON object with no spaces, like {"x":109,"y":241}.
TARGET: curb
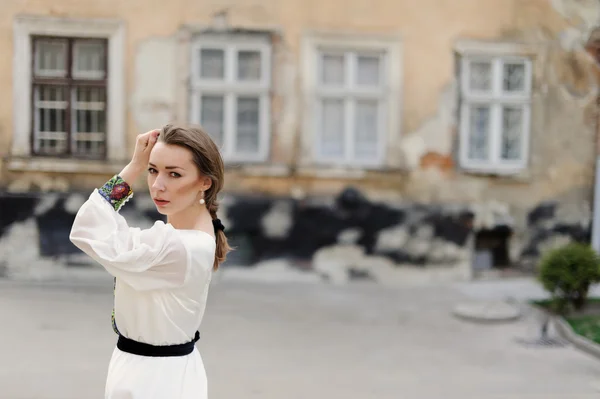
{"x":566,"y":332}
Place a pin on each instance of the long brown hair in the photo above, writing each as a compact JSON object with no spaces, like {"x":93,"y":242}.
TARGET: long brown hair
{"x":207,"y":157}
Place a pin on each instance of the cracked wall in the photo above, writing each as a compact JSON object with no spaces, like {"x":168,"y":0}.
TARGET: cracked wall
{"x":423,"y":166}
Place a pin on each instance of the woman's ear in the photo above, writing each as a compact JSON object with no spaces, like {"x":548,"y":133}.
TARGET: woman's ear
{"x":206,"y":183}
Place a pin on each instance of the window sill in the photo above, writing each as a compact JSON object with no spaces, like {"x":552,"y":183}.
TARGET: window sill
{"x":45,"y":164}
{"x":332,"y":172}
{"x":316,"y":172}
{"x":259,"y":170}
{"x":513,"y":174}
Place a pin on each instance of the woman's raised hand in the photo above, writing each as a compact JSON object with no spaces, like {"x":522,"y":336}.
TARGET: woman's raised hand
{"x":139,"y":162}
{"x":143,"y":146}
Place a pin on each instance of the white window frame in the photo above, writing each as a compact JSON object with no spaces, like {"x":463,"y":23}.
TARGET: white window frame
{"x":389,"y":95}
{"x":350,"y":94}
{"x":26,"y":26}
{"x":231,"y":88}
{"x":496,"y":99}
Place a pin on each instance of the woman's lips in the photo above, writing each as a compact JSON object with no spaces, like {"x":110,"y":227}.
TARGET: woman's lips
{"x":160,"y":202}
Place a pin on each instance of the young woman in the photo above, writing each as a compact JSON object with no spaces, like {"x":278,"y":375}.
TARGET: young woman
{"x":162,"y":274}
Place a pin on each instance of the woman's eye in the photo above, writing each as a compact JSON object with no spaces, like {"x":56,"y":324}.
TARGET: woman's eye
{"x":151,"y":171}
{"x":175,"y":174}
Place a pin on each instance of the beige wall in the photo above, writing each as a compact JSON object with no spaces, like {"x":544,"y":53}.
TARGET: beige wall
{"x":423,"y":147}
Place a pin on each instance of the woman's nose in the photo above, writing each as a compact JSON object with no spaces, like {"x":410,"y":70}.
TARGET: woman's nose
{"x":158,"y":184}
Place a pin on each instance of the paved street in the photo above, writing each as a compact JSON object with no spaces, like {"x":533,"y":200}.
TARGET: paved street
{"x":297,"y":341}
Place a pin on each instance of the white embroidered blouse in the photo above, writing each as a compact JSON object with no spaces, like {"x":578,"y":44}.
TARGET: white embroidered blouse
{"x":162,"y":273}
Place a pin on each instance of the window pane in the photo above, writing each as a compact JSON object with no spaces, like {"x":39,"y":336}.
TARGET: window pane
{"x":512,"y":133}
{"x":513,"y":77}
{"x":50,"y":57}
{"x":479,"y":129}
{"x":249,"y":65}
{"x":332,"y":69}
{"x":89,"y":121}
{"x":212,"y":63}
{"x":212,"y":111}
{"x":366,"y":135}
{"x":247,"y":129}
{"x":367,"y":71}
{"x":480,"y":76}
{"x":50,"y":125}
{"x":88,"y":59}
{"x":332,"y":128}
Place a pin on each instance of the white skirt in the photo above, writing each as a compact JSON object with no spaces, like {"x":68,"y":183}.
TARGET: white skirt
{"x":142,"y":377}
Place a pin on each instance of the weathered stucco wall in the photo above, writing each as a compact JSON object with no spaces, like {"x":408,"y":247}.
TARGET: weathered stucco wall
{"x":426,"y":140}
{"x":548,"y":202}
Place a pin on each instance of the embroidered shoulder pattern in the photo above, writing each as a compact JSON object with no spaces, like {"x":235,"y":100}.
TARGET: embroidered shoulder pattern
{"x":116,"y":191}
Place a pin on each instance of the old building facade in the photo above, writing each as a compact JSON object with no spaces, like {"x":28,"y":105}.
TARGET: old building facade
{"x":362,"y":139}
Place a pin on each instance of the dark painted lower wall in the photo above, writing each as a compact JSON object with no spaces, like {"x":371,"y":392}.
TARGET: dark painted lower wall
{"x":346,"y":234}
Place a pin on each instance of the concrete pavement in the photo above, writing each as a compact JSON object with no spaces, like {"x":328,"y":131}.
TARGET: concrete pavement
{"x":299,"y":341}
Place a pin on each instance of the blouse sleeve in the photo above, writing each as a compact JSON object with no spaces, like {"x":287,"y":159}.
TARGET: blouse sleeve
{"x":144,"y":258}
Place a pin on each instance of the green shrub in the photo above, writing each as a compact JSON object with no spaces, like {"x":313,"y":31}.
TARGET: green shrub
{"x":567,"y":274}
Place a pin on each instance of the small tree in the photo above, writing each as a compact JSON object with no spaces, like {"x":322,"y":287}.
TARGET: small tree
{"x":567,"y":273}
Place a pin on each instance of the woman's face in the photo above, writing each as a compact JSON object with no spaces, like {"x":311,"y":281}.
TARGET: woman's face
{"x":173,"y":179}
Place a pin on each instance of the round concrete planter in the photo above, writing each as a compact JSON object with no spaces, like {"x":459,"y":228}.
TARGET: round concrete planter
{"x":487,"y":311}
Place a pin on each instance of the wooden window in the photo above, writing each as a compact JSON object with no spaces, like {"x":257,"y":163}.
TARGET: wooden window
{"x":69,"y":97}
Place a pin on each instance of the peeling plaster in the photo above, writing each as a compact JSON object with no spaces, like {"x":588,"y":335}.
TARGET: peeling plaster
{"x":153,"y":101}
{"x":434,"y":135}
{"x":74,"y":202}
{"x":47,"y":202}
{"x":278,"y":222}
{"x":286,"y":88}
{"x":413,"y":147}
{"x":584,"y":14}
{"x":584,"y":17}
{"x":435,"y":131}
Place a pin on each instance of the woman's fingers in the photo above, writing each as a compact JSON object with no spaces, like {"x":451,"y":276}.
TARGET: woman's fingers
{"x":152,"y":138}
{"x":147,"y":139}
{"x":143,"y":146}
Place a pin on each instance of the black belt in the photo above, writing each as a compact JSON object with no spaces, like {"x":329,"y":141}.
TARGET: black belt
{"x":142,"y":349}
{"x":139,"y":348}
